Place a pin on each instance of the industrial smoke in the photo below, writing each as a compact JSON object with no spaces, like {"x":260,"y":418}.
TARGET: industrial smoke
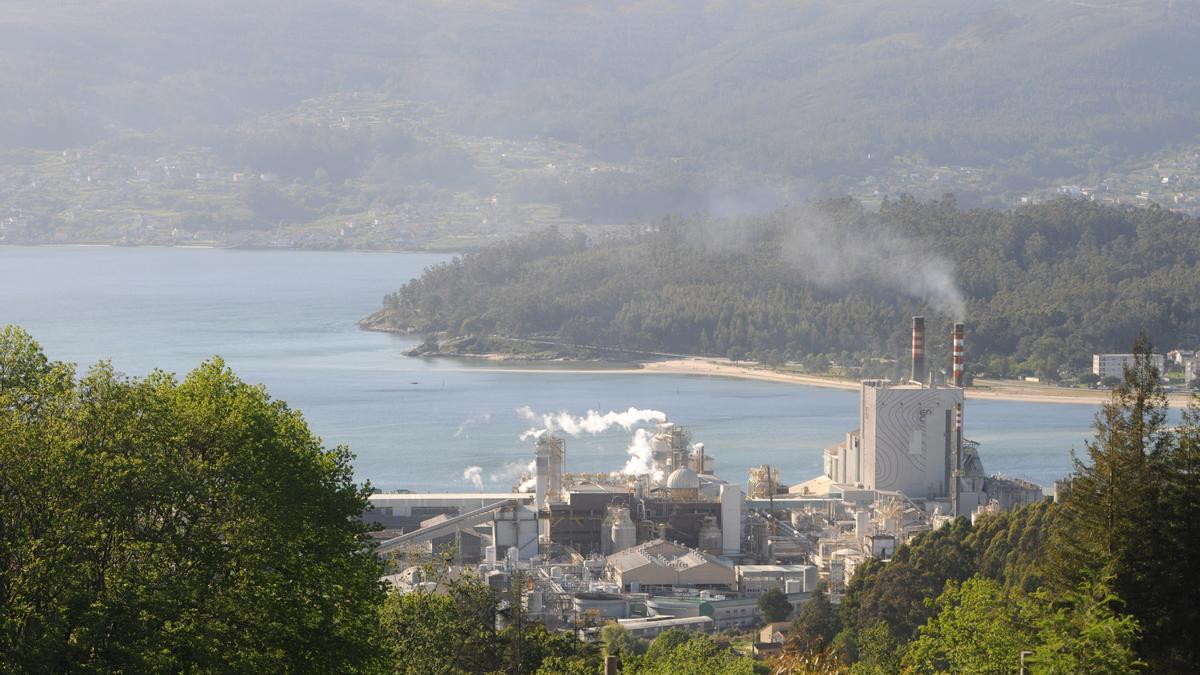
{"x":846,"y":251}
{"x":593,"y":422}
{"x":641,"y":457}
{"x":475,"y":475}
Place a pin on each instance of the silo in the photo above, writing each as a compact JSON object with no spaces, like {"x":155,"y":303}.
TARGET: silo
{"x":623,"y":532}
{"x":810,"y":578}
{"x":606,"y":541}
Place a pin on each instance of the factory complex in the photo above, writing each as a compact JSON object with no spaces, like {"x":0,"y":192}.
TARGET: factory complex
{"x":674,"y":545}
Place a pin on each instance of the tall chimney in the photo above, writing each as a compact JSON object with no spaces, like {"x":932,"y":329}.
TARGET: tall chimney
{"x":958,"y":336}
{"x":918,"y":349}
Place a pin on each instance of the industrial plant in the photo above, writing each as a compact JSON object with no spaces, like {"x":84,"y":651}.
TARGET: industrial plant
{"x":673,"y":544}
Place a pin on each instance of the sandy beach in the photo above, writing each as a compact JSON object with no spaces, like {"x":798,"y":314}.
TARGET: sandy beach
{"x":996,"y":390}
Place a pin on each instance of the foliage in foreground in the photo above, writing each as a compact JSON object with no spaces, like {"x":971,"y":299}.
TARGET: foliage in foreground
{"x":160,"y":525}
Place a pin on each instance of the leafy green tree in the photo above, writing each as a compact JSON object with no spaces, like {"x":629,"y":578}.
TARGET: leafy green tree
{"x":157,"y":525}
{"x":699,"y":654}
{"x":666,"y":642}
{"x":540,"y":647}
{"x":817,"y":620}
{"x":774,"y":605}
{"x":978,"y":628}
{"x":878,"y":652}
{"x":616,"y":641}
{"x":1080,"y":632}
{"x":445,"y":629}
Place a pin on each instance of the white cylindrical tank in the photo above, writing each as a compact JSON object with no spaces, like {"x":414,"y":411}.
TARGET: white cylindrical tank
{"x":862,"y":524}
{"x":489,"y":556}
{"x":623,"y":532}
{"x":731,"y":520}
{"x":606,"y":538}
{"x":810,"y":578}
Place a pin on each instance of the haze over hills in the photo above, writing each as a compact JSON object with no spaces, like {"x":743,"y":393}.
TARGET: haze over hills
{"x":415,"y":121}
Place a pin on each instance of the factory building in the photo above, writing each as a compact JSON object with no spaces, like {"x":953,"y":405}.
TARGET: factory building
{"x":910,"y":441}
{"x":664,"y":565}
{"x":790,"y":579}
{"x":599,"y":514}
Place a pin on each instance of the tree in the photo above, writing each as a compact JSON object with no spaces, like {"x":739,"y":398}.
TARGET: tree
{"x":157,"y":525}
{"x":978,"y":628}
{"x":616,"y":641}
{"x":1080,"y":632}
{"x":1113,"y":524}
{"x":666,"y":642}
{"x":817,"y":621}
{"x":447,"y":628}
{"x":774,"y":605}
{"x":699,"y":654}
{"x":1180,"y":546}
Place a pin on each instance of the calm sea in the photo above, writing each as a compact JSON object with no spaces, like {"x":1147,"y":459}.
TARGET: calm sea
{"x":287,"y":319}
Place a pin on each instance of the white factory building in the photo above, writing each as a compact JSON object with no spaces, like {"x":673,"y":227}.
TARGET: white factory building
{"x":905,"y":441}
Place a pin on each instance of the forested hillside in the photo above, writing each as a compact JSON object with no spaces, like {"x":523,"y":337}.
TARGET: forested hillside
{"x":1040,"y":287}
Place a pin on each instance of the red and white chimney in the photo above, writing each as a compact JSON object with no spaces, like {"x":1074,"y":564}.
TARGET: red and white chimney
{"x":957,"y":354}
{"x":918,"y":349}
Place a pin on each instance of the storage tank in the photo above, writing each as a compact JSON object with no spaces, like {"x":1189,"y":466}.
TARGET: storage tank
{"x":600,"y":606}
{"x":623,"y":532}
{"x":606,"y":547}
{"x":489,"y":556}
{"x":710,"y":536}
{"x":810,"y":578}
{"x":862,"y":524}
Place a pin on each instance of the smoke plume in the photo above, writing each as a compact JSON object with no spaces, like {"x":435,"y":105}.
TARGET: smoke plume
{"x":475,"y":475}
{"x":641,"y":457}
{"x":847,"y":249}
{"x":593,"y":422}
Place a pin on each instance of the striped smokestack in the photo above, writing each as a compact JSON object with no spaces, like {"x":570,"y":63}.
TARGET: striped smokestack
{"x":957,"y":354}
{"x":918,"y":349}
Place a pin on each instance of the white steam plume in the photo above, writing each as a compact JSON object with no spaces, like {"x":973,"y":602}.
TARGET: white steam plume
{"x":475,"y":475}
{"x":641,"y":457}
{"x":593,"y":422}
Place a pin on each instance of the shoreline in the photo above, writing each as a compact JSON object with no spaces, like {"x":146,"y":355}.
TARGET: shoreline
{"x":991,"y":390}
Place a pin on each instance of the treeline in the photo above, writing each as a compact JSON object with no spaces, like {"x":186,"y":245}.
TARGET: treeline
{"x":1100,"y":581}
{"x":1044,"y":286}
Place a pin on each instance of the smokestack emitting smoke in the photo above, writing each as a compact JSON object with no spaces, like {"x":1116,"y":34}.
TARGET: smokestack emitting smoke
{"x":958,"y":336}
{"x":918,"y":349}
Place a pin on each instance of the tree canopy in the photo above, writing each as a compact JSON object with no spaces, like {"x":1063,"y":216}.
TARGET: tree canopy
{"x":153,"y":524}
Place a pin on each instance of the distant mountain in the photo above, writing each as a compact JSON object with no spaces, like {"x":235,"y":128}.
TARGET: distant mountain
{"x":703,"y":98}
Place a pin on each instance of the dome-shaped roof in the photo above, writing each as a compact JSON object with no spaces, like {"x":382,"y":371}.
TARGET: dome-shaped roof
{"x":683,"y":478}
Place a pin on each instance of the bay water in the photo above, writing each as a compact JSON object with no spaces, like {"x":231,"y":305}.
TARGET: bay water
{"x":287,"y":319}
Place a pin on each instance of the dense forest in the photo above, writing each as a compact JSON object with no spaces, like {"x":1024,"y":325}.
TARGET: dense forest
{"x":1041,"y":287}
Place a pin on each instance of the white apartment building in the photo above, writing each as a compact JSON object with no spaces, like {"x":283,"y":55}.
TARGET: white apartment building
{"x":1113,"y":365}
